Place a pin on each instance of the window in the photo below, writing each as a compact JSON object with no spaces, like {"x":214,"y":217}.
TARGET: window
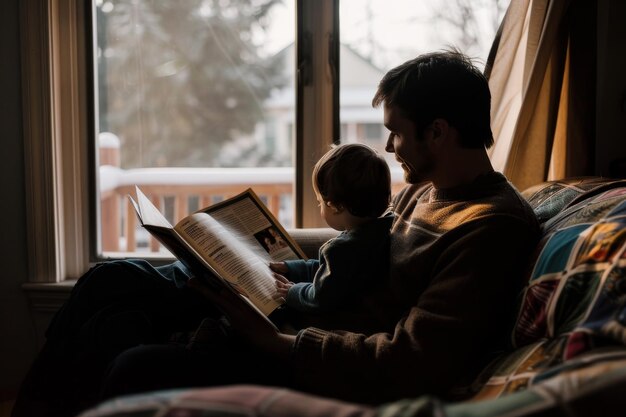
{"x":376,"y":37}
{"x":59,"y":93}
{"x":195,"y":100}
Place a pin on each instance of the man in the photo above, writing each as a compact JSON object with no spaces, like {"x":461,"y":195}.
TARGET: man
{"x":459,"y":245}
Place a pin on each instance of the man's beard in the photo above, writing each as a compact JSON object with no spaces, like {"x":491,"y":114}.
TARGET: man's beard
{"x":418,"y":174}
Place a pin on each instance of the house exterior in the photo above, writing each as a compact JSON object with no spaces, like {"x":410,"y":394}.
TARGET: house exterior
{"x":360,"y":122}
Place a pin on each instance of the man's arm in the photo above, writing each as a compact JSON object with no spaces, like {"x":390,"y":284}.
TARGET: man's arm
{"x":443,"y":339}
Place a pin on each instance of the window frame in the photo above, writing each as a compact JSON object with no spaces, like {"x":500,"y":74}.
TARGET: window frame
{"x":56,"y":118}
{"x":59,"y":127}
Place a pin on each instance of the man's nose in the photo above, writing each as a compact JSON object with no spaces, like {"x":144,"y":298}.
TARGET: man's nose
{"x":389,"y":146}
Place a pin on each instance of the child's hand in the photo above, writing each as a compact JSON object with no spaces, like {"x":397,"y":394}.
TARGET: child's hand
{"x":279,"y":267}
{"x":282,"y":285}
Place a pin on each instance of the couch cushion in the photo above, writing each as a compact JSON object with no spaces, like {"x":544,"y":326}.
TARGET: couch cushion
{"x":311,"y":239}
{"x":228,"y":401}
{"x":549,"y":198}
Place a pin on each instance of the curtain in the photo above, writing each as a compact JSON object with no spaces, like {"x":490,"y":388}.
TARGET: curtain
{"x":542,"y":76}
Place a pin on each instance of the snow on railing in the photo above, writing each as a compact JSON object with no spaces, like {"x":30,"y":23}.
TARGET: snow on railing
{"x":179,"y":191}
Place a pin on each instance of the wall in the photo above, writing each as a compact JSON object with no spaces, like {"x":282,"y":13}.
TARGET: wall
{"x":611,"y":88}
{"x":17,"y":335}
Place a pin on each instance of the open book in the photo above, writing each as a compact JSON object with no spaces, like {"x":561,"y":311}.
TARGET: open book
{"x":233,"y":240}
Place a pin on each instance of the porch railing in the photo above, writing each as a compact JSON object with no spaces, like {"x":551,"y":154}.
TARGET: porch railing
{"x":176,"y":192}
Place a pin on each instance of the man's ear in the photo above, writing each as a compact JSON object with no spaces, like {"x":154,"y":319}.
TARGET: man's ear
{"x":440,"y":128}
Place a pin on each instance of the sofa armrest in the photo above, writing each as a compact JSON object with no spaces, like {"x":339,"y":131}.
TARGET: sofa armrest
{"x":311,"y":239}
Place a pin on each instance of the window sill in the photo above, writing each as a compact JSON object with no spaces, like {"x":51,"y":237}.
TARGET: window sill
{"x":48,"y":298}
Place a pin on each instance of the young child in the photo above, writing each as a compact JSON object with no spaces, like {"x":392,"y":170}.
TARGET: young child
{"x":353,"y":187}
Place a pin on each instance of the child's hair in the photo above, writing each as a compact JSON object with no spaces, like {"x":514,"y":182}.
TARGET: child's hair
{"x":355,"y":177}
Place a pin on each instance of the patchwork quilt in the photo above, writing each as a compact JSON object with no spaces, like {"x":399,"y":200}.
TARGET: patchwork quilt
{"x":575,"y":299}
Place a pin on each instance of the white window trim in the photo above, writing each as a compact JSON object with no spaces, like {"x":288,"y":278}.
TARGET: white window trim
{"x":55,"y":116}
{"x":56,"y":122}
{"x":316,"y":131}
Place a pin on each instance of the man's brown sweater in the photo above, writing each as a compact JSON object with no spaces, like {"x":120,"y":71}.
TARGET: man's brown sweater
{"x":457,"y":261}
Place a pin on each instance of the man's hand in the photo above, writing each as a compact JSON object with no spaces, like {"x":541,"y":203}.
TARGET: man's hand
{"x":246,"y":322}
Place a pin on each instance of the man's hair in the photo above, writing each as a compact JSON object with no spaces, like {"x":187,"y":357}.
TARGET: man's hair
{"x":356,"y":177}
{"x":443,"y":85}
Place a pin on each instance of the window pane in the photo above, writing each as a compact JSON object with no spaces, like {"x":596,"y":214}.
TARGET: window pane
{"x":377,"y":35}
{"x":195,"y":104}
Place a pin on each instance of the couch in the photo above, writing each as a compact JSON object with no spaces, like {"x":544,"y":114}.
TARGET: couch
{"x":567,"y":356}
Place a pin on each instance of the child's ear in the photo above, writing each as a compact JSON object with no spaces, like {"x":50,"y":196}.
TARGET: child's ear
{"x":336,"y":208}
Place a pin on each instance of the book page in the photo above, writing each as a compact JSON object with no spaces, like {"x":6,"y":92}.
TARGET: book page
{"x":158,"y":226}
{"x":232,"y":260}
{"x":247,"y":218}
{"x":148,"y":214}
